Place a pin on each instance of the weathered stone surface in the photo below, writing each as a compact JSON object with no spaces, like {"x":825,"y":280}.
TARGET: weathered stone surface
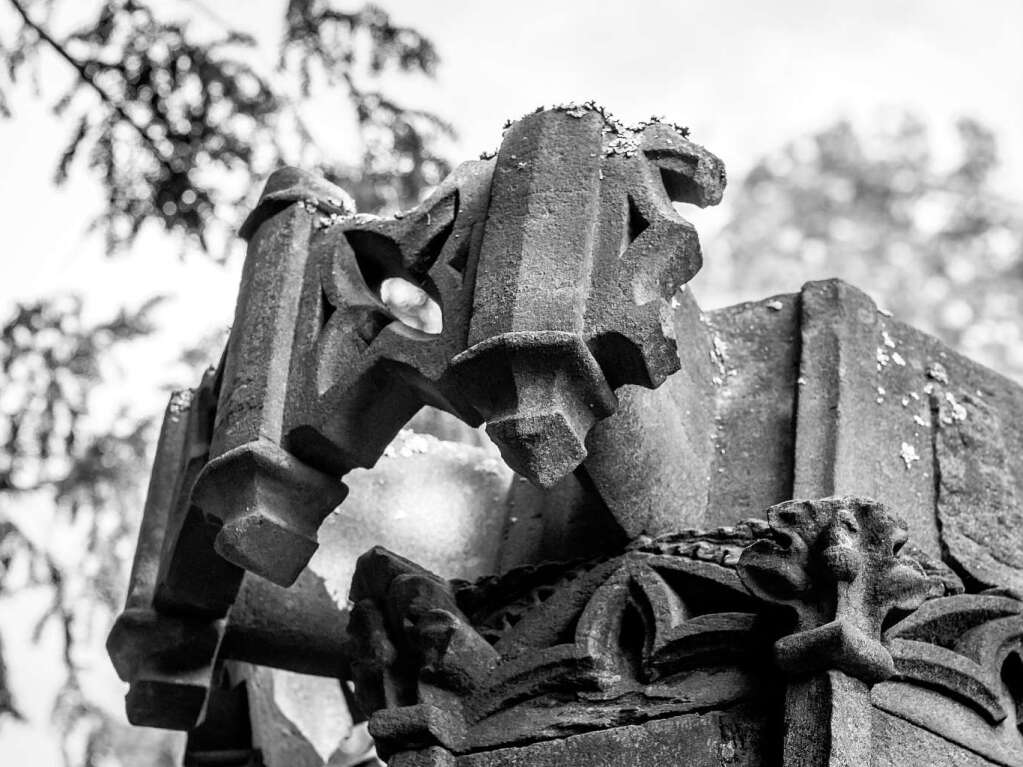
{"x":856,"y":433}
{"x":167,"y":658}
{"x":224,"y":739}
{"x":835,"y":564}
{"x":358,"y":373}
{"x":883,"y":407}
{"x":434,"y":756}
{"x":558,"y":269}
{"x":320,"y":373}
{"x":754,"y":364}
{"x":187,"y":533}
{"x":181,"y":618}
{"x":299,"y":629}
{"x":169,"y":651}
{"x":953,"y":660}
{"x":566,"y":522}
{"x":897,"y":743}
{"x":702,"y":740}
{"x":828,"y":721}
{"x":813,"y":394}
{"x":546,"y":651}
{"x":258,"y":492}
{"x":650,"y":462}
{"x":552,"y":337}
{"x":978,"y":509}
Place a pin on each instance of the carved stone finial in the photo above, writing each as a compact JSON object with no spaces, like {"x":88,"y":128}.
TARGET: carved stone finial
{"x":581,"y":254}
{"x":554,"y":266}
{"x":835,"y":562}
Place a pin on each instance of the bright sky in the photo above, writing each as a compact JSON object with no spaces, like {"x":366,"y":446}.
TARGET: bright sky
{"x":744,"y":76}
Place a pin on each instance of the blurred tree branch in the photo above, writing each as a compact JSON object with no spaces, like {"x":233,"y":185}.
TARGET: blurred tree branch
{"x":933,"y":241}
{"x":178,"y":125}
{"x":83,"y":72}
{"x":189,"y":124}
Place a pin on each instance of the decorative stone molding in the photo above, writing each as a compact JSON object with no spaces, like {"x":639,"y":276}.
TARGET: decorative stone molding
{"x":835,"y":564}
{"x":959,"y":672}
{"x":818,"y":636}
{"x":682,"y":623}
{"x":547,"y":651}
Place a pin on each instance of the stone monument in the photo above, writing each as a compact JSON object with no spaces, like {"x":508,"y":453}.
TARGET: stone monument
{"x":783,"y":533}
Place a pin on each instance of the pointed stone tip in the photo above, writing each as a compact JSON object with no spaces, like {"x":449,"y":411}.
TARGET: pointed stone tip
{"x":270,"y":505}
{"x":544,"y":447}
{"x":262,"y":545}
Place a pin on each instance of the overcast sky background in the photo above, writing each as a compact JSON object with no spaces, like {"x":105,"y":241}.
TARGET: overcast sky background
{"x":744,"y":76}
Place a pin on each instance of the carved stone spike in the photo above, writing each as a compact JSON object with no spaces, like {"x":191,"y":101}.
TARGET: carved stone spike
{"x":581,"y":254}
{"x":267,"y":503}
{"x":284,"y":502}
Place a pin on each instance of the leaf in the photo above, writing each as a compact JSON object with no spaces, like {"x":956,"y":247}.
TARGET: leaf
{"x":71,"y":150}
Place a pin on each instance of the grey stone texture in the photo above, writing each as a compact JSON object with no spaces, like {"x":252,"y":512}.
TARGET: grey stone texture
{"x":781,"y":533}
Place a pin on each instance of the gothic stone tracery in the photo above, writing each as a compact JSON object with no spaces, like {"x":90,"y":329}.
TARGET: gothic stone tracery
{"x":628,"y":618}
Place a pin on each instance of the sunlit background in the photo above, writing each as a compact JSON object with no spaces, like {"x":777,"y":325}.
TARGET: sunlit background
{"x":876,"y":141}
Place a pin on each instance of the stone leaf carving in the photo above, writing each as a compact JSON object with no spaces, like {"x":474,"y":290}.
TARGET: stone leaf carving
{"x":836,"y":564}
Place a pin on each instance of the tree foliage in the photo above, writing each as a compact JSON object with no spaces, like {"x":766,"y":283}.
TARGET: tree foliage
{"x":932,"y":240}
{"x":180,"y":126}
{"x":69,"y":484}
{"x":178,"y":121}
{"x":399,"y":156}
